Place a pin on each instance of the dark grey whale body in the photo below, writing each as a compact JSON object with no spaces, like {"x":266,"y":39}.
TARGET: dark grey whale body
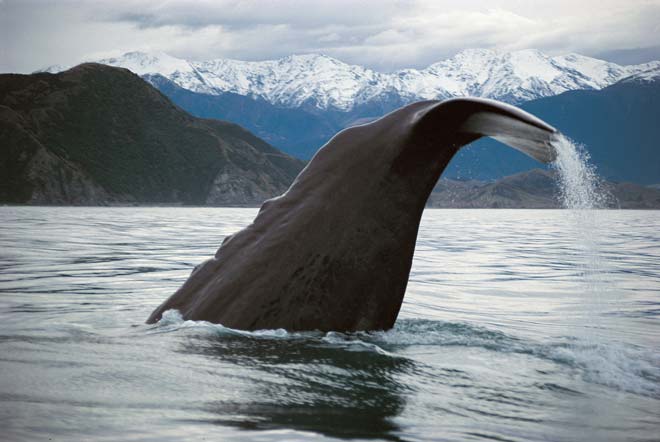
{"x":334,"y":252}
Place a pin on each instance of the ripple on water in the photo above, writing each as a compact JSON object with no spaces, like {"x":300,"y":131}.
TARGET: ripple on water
{"x":624,"y":367}
{"x":499,"y":336}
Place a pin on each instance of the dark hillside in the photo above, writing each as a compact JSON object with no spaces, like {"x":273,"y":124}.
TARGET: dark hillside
{"x":98,"y":134}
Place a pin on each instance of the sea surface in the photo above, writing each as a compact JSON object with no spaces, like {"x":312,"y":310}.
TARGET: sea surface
{"x":517,"y":325}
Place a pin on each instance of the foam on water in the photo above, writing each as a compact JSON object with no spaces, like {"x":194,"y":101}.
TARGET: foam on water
{"x":172,"y":320}
{"x":616,"y":365}
{"x":607,"y":363}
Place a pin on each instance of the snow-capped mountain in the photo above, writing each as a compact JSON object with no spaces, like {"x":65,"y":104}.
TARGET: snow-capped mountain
{"x":647,"y":76}
{"x":322,"y":82}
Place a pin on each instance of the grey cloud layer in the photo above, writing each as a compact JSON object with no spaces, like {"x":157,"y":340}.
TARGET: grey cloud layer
{"x":382,"y":35}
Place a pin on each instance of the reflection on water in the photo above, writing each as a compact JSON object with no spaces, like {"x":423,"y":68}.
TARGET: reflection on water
{"x":335,"y":384}
{"x":308,"y":387}
{"x":496,"y":338}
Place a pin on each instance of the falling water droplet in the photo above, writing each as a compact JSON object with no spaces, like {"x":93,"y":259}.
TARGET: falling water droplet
{"x":583,"y":193}
{"x":580,"y":186}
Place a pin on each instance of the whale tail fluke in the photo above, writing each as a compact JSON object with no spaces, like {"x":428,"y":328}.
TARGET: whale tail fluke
{"x":334,"y":252}
{"x":505,"y":123}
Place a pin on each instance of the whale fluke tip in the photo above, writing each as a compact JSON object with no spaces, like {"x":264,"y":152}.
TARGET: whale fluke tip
{"x":507,"y":124}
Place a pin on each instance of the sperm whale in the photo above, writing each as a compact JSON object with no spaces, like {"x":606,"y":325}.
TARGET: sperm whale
{"x":334,"y":252}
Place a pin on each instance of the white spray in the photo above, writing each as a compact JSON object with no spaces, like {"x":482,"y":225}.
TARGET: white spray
{"x":580,"y":186}
{"x":583,"y":194}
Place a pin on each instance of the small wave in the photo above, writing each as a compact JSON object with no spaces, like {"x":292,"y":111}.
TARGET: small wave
{"x":172,"y":321}
{"x":619,"y":366}
{"x":405,"y":333}
{"x":616,"y":365}
{"x":625,"y":368}
{"x":352,"y":342}
{"x":428,"y":332}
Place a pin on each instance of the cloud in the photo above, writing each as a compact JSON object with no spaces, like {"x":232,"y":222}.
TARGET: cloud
{"x":384,"y":35}
{"x":233,"y":14}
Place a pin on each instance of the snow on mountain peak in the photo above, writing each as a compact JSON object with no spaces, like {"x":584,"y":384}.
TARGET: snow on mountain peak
{"x":143,"y":63}
{"x":324,"y":82}
{"x":646,"y":75}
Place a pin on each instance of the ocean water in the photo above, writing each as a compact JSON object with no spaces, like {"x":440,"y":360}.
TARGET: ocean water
{"x":517,"y":325}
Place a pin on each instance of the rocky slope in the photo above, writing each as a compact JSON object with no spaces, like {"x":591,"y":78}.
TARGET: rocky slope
{"x":101,"y":135}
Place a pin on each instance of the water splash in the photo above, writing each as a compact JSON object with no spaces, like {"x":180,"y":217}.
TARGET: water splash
{"x":580,"y":187}
{"x":583,"y":193}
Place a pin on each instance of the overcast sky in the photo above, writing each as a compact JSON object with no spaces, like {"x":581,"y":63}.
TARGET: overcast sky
{"x":379,"y":34}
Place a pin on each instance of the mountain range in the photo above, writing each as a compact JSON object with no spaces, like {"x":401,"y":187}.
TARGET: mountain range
{"x":97,"y":134}
{"x":314,"y":81}
{"x":299,"y":102}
